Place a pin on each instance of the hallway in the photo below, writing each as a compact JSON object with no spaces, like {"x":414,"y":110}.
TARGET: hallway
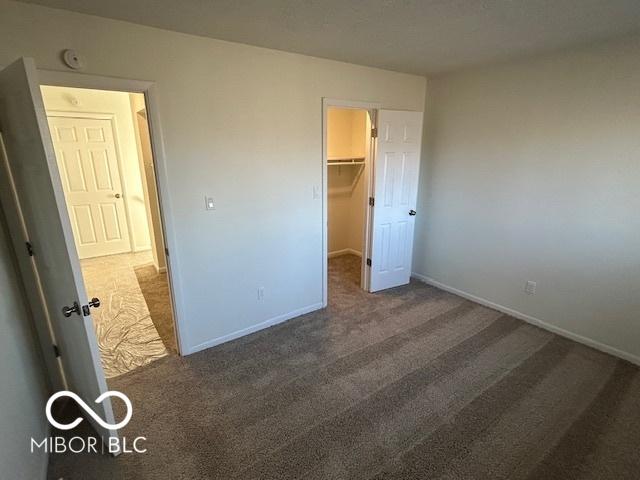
{"x":125,"y":327}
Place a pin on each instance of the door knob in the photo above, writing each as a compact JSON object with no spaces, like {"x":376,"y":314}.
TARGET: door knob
{"x":412,"y":212}
{"x":68,"y":311}
{"x":94,"y":302}
{"x":117,"y":195}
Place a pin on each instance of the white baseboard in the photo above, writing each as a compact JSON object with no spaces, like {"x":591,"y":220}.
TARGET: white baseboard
{"x":344,"y":251}
{"x":254,"y":328}
{"x":532,"y":320}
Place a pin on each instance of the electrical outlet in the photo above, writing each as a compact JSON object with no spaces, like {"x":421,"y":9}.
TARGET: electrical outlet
{"x":260,"y":293}
{"x":209,"y":204}
{"x":530,"y":288}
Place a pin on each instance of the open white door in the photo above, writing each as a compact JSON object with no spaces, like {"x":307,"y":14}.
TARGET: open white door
{"x":395,"y":189}
{"x":34,"y":172}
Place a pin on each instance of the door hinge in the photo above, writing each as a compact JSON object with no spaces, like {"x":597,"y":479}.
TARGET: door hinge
{"x":374,"y":132}
{"x":166,"y":251}
{"x":368,"y":262}
{"x":29,"y":249}
{"x":372,"y":201}
{"x":56,"y":351}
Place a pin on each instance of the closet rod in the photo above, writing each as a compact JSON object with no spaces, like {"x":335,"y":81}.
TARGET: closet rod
{"x":346,"y":161}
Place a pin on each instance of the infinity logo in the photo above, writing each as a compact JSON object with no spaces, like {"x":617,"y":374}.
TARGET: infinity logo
{"x":89,"y":410}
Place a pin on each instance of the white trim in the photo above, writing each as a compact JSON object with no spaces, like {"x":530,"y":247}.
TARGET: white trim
{"x":344,"y":251}
{"x":97,"y":82}
{"x":254,"y":328}
{"x":334,"y":102}
{"x":149,"y":89}
{"x":369,"y":179}
{"x":80,"y":114}
{"x":168,"y":230}
{"x":532,"y":320}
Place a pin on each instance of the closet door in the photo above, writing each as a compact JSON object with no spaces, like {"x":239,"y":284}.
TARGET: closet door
{"x":395,"y":191}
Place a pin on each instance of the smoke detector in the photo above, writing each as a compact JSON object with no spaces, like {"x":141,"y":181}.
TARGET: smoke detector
{"x":72,"y":59}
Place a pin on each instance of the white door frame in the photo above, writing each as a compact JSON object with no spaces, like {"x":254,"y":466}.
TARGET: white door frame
{"x":114,"y":129}
{"x":150,"y":91}
{"x":370,"y":106}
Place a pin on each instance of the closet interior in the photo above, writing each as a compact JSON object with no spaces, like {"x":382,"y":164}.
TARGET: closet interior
{"x":348,"y":145}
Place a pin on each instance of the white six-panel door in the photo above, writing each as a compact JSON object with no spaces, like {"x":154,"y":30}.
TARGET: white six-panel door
{"x":395,"y":191}
{"x":34,"y":174}
{"x":86,"y":155}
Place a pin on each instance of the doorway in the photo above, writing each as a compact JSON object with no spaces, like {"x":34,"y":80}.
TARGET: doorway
{"x":370,"y":209}
{"x":347,"y":139}
{"x":348,"y":161}
{"x":103,"y":152}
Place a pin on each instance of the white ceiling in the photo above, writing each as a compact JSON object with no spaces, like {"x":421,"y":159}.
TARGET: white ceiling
{"x":415,"y":36}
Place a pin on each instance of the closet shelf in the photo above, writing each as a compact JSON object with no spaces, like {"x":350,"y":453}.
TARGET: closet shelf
{"x":345,"y":161}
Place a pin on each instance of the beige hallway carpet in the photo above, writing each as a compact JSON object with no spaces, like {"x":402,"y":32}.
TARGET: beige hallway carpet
{"x":126,"y":335}
{"x":410,"y":383}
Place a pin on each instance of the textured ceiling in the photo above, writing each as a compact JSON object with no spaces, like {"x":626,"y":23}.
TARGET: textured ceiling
{"x":415,"y":36}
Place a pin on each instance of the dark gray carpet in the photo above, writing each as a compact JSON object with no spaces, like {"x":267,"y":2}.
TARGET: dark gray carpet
{"x":408,"y":383}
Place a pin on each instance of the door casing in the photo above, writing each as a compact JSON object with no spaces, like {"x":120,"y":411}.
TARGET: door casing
{"x":150,"y":92}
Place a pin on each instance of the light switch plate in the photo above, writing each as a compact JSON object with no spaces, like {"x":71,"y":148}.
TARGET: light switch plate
{"x":209,"y":204}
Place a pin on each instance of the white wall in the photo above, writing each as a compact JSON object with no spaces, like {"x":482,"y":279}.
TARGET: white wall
{"x":117,"y":104}
{"x":240,"y":123}
{"x":345,"y":133}
{"x":23,"y":390}
{"x":531,"y":171}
